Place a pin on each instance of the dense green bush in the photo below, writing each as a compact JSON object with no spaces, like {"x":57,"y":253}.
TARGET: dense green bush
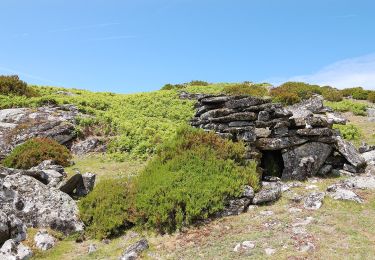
{"x":12,"y":85}
{"x":356,"y":108}
{"x":356,"y":93}
{"x":191,"y":178}
{"x":293,"y":92}
{"x":258,"y":90}
{"x":198,"y":83}
{"x":331,"y":94}
{"x":105,"y":210}
{"x":371,"y":96}
{"x":286,"y":98}
{"x":35,"y":151}
{"x":173,"y":86}
{"x":349,"y":132}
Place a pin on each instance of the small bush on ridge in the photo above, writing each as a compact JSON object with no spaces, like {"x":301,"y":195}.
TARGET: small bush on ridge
{"x":356,"y":93}
{"x":371,"y":97}
{"x":173,"y":86}
{"x":35,"y":151}
{"x":12,"y":85}
{"x":331,"y":94}
{"x":198,"y":83}
{"x":293,"y":92}
{"x":258,"y":90}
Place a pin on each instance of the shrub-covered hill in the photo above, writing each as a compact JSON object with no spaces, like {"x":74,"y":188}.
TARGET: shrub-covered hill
{"x":137,"y":123}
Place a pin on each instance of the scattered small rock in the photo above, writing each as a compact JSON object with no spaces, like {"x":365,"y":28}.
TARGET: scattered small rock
{"x":269,"y":251}
{"x":314,"y":200}
{"x":133,"y":251}
{"x":345,"y":194}
{"x":304,"y":222}
{"x":92,"y":248}
{"x":268,"y":193}
{"x":307,"y":247}
{"x":311,"y":187}
{"x":299,"y":230}
{"x":43,"y":240}
{"x":296,"y":198}
{"x":294,"y":210}
{"x":244,"y":246}
{"x":266,"y":213}
{"x":106,"y":241}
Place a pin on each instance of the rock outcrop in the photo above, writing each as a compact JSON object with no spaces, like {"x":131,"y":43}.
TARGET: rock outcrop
{"x":12,"y":250}
{"x":38,"y":205}
{"x":17,"y":125}
{"x":134,"y":250}
{"x":295,"y":142}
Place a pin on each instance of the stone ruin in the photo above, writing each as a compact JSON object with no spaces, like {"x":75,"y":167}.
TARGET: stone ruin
{"x":292,"y":143}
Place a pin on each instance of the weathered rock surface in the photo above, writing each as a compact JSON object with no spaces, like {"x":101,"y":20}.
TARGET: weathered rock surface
{"x":369,"y":157}
{"x":20,"y":124}
{"x":11,"y":227}
{"x":244,"y":246}
{"x":314,"y":200}
{"x":43,"y":240}
{"x":350,"y":153}
{"x":90,"y":145}
{"x":133,"y":251}
{"x":268,"y":193}
{"x":338,"y":193}
{"x":305,"y":161}
{"x":38,"y":205}
{"x":239,"y":205}
{"x":12,"y":250}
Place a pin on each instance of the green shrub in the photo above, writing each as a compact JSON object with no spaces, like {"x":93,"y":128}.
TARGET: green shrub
{"x":173,"y":86}
{"x":371,"y":96}
{"x":289,"y":90}
{"x":35,"y":151}
{"x":356,"y":108}
{"x":105,"y":210}
{"x":356,"y":93}
{"x":198,"y":83}
{"x":12,"y":85}
{"x":190,"y":179}
{"x":349,"y":132}
{"x":331,"y":94}
{"x":287,"y":98}
{"x":258,"y":90}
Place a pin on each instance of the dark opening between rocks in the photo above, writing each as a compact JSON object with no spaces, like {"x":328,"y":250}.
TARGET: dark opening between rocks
{"x":272,"y":163}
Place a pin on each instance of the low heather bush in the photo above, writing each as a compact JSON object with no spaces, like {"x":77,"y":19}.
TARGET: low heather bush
{"x":190,"y":179}
{"x":258,"y":90}
{"x":35,"y":151}
{"x":12,"y":85}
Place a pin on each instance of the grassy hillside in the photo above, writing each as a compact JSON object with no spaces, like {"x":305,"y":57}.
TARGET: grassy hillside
{"x":136,"y":125}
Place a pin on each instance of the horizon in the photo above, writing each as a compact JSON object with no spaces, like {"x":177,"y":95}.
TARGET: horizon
{"x":138,"y":46}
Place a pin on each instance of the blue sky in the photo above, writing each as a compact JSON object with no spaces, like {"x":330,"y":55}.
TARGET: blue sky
{"x":139,"y":45}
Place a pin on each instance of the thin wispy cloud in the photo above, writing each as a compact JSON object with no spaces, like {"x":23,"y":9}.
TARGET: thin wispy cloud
{"x":29,"y":76}
{"x":110,"y":38}
{"x":359,"y":71}
{"x":67,"y":29}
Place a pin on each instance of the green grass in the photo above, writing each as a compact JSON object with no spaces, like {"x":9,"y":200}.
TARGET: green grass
{"x":357,"y":108}
{"x":105,"y":167}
